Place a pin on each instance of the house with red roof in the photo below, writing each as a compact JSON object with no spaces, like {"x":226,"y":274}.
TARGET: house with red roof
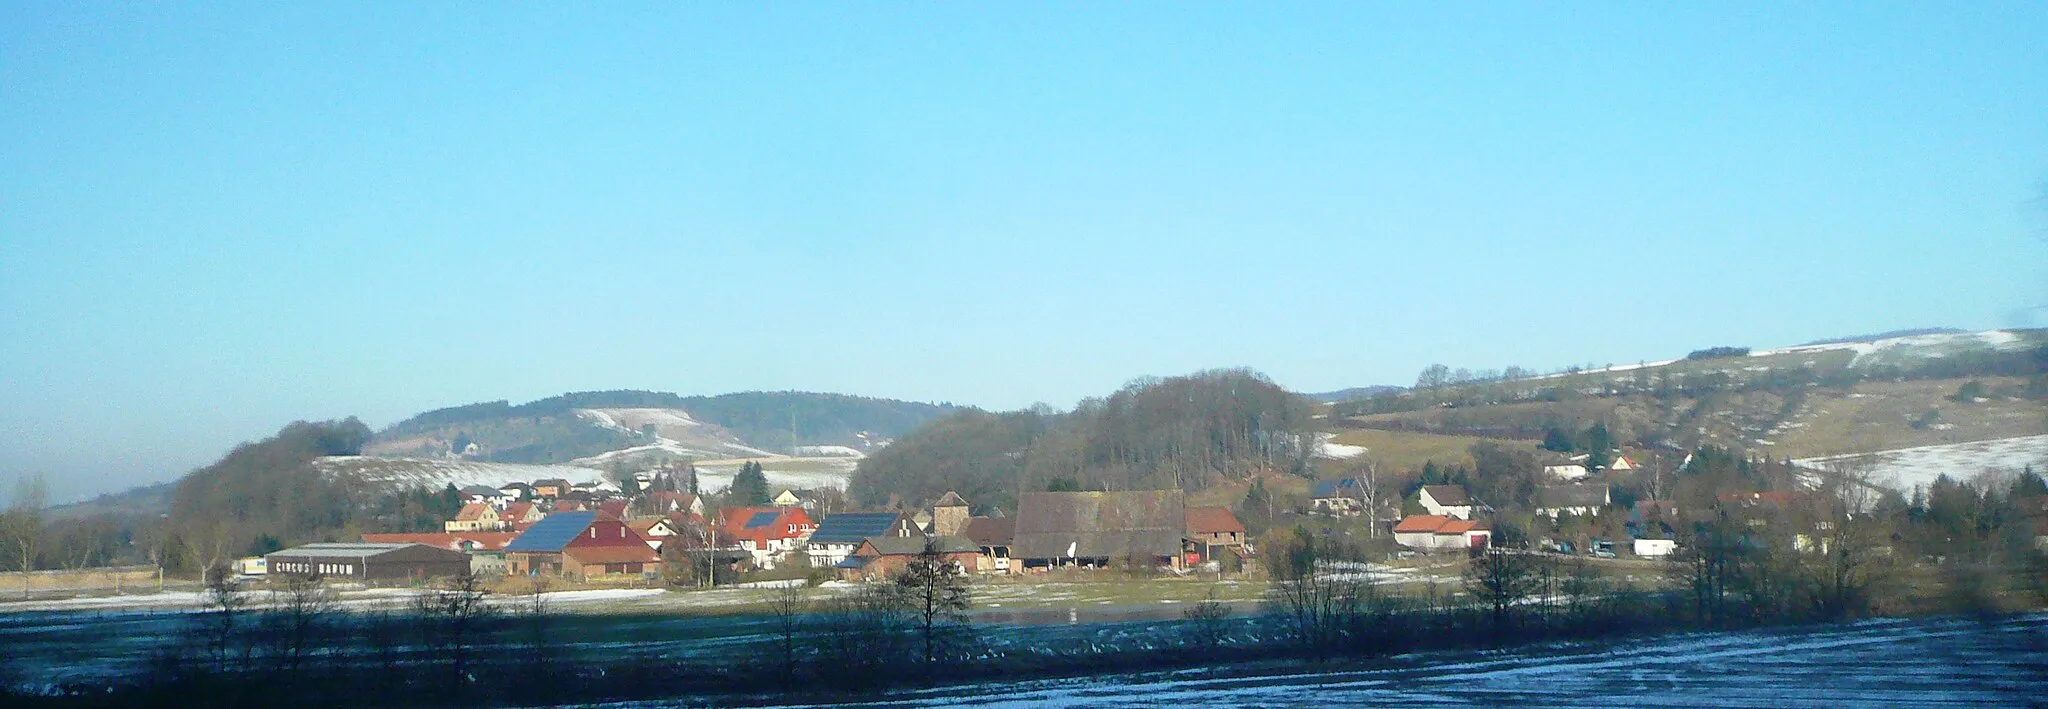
{"x":1442,"y":533}
{"x":766,"y":533}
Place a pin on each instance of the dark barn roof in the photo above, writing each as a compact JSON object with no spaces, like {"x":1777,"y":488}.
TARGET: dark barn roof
{"x":852,"y":527}
{"x":899,"y":546}
{"x":552,"y":532}
{"x":1591,"y":495}
{"x":991,"y":531}
{"x":1099,"y":525}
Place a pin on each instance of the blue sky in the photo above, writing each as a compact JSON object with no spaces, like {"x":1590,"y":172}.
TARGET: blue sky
{"x":215,"y":220}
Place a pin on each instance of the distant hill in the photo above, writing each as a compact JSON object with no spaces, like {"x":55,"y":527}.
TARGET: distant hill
{"x":1351,"y":394}
{"x":1836,"y":397}
{"x":587,"y":426}
{"x":1887,"y":335}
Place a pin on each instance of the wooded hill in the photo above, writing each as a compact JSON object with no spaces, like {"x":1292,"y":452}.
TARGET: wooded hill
{"x":549,"y":431}
{"x":1190,"y":431}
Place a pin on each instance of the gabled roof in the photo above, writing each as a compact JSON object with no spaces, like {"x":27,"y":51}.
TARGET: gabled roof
{"x":989,"y":531}
{"x":1560,"y":496}
{"x":1096,"y":525}
{"x":852,"y":527}
{"x":1448,"y":495}
{"x":909,"y":546}
{"x":486,"y":541}
{"x":342,"y":550}
{"x":646,"y":526}
{"x":1345,"y":487}
{"x":1461,"y":526}
{"x":612,"y":554}
{"x":484,"y":490}
{"x":1212,"y":520}
{"x":552,"y":532}
{"x":1420,"y":523}
{"x":473,"y":511}
{"x":952,"y":499}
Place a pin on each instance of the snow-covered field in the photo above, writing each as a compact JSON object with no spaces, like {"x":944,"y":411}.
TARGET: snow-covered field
{"x":1898,"y":350}
{"x":782,"y":472}
{"x":436,"y":472}
{"x":1905,"y":468}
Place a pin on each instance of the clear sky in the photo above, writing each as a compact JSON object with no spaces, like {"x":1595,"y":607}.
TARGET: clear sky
{"x":215,"y":220}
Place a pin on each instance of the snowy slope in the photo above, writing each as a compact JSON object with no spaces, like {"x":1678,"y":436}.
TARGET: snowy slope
{"x":433,"y":473}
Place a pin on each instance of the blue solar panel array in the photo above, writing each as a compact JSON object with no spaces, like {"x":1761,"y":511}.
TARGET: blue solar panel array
{"x":762,"y":519}
{"x":852,"y":527}
{"x":552,"y":532}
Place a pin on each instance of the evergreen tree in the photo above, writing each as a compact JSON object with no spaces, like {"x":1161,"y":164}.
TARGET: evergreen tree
{"x":750,"y":486}
{"x":1257,"y":508}
{"x":1558,"y":440}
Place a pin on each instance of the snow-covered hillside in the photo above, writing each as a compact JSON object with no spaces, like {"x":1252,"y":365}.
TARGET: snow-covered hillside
{"x":433,"y":473}
{"x":1911,"y":348}
{"x":1905,"y":468}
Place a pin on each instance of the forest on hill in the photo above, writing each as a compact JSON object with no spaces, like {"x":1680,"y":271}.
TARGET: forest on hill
{"x":1189,"y":431}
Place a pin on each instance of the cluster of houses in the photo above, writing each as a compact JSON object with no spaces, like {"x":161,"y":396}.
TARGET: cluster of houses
{"x":1453,"y":521}
{"x":554,"y":528}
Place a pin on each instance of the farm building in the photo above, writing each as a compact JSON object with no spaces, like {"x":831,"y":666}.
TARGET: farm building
{"x":994,"y":535}
{"x":884,"y":557}
{"x":839,"y":535}
{"x":580,"y":545}
{"x":486,"y":550}
{"x":1440,"y":533}
{"x":1139,"y":528}
{"x":368,"y":562}
{"x":949,"y":515}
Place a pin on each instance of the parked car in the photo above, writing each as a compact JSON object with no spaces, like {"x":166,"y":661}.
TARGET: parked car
{"x":1601,"y":548}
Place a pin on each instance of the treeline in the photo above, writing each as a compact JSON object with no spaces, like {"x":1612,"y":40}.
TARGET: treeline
{"x":1190,"y":432}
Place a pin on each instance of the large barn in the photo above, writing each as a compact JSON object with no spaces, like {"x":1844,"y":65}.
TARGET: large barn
{"x":368,"y":562}
{"x":1141,"y":528}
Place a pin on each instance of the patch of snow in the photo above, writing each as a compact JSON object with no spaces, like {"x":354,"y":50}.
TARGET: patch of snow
{"x":601,"y":594}
{"x":1905,"y":468}
{"x":1327,"y":448}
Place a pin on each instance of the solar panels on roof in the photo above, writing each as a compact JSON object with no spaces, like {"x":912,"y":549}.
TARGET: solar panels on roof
{"x":552,"y":532}
{"x":852,"y":527}
{"x":762,"y":519}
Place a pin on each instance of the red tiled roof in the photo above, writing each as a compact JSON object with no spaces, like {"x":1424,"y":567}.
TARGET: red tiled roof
{"x":1212,"y":520}
{"x":1460,"y":526}
{"x":472,"y":512}
{"x":1420,"y":523}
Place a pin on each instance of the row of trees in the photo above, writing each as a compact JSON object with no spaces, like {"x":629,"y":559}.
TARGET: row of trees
{"x":1188,"y":432}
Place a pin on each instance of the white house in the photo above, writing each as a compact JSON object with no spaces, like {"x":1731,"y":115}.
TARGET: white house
{"x":1621,"y":462}
{"x":1439,"y":533}
{"x":1446,"y":501}
{"x":1564,"y":472}
{"x":1654,"y":548}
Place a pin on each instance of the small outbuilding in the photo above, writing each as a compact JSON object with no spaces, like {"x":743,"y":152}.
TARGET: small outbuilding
{"x":368,"y":562}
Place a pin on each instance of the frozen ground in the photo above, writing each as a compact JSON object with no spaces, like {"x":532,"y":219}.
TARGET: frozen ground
{"x":1944,"y":662}
{"x":1907,"y":467}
